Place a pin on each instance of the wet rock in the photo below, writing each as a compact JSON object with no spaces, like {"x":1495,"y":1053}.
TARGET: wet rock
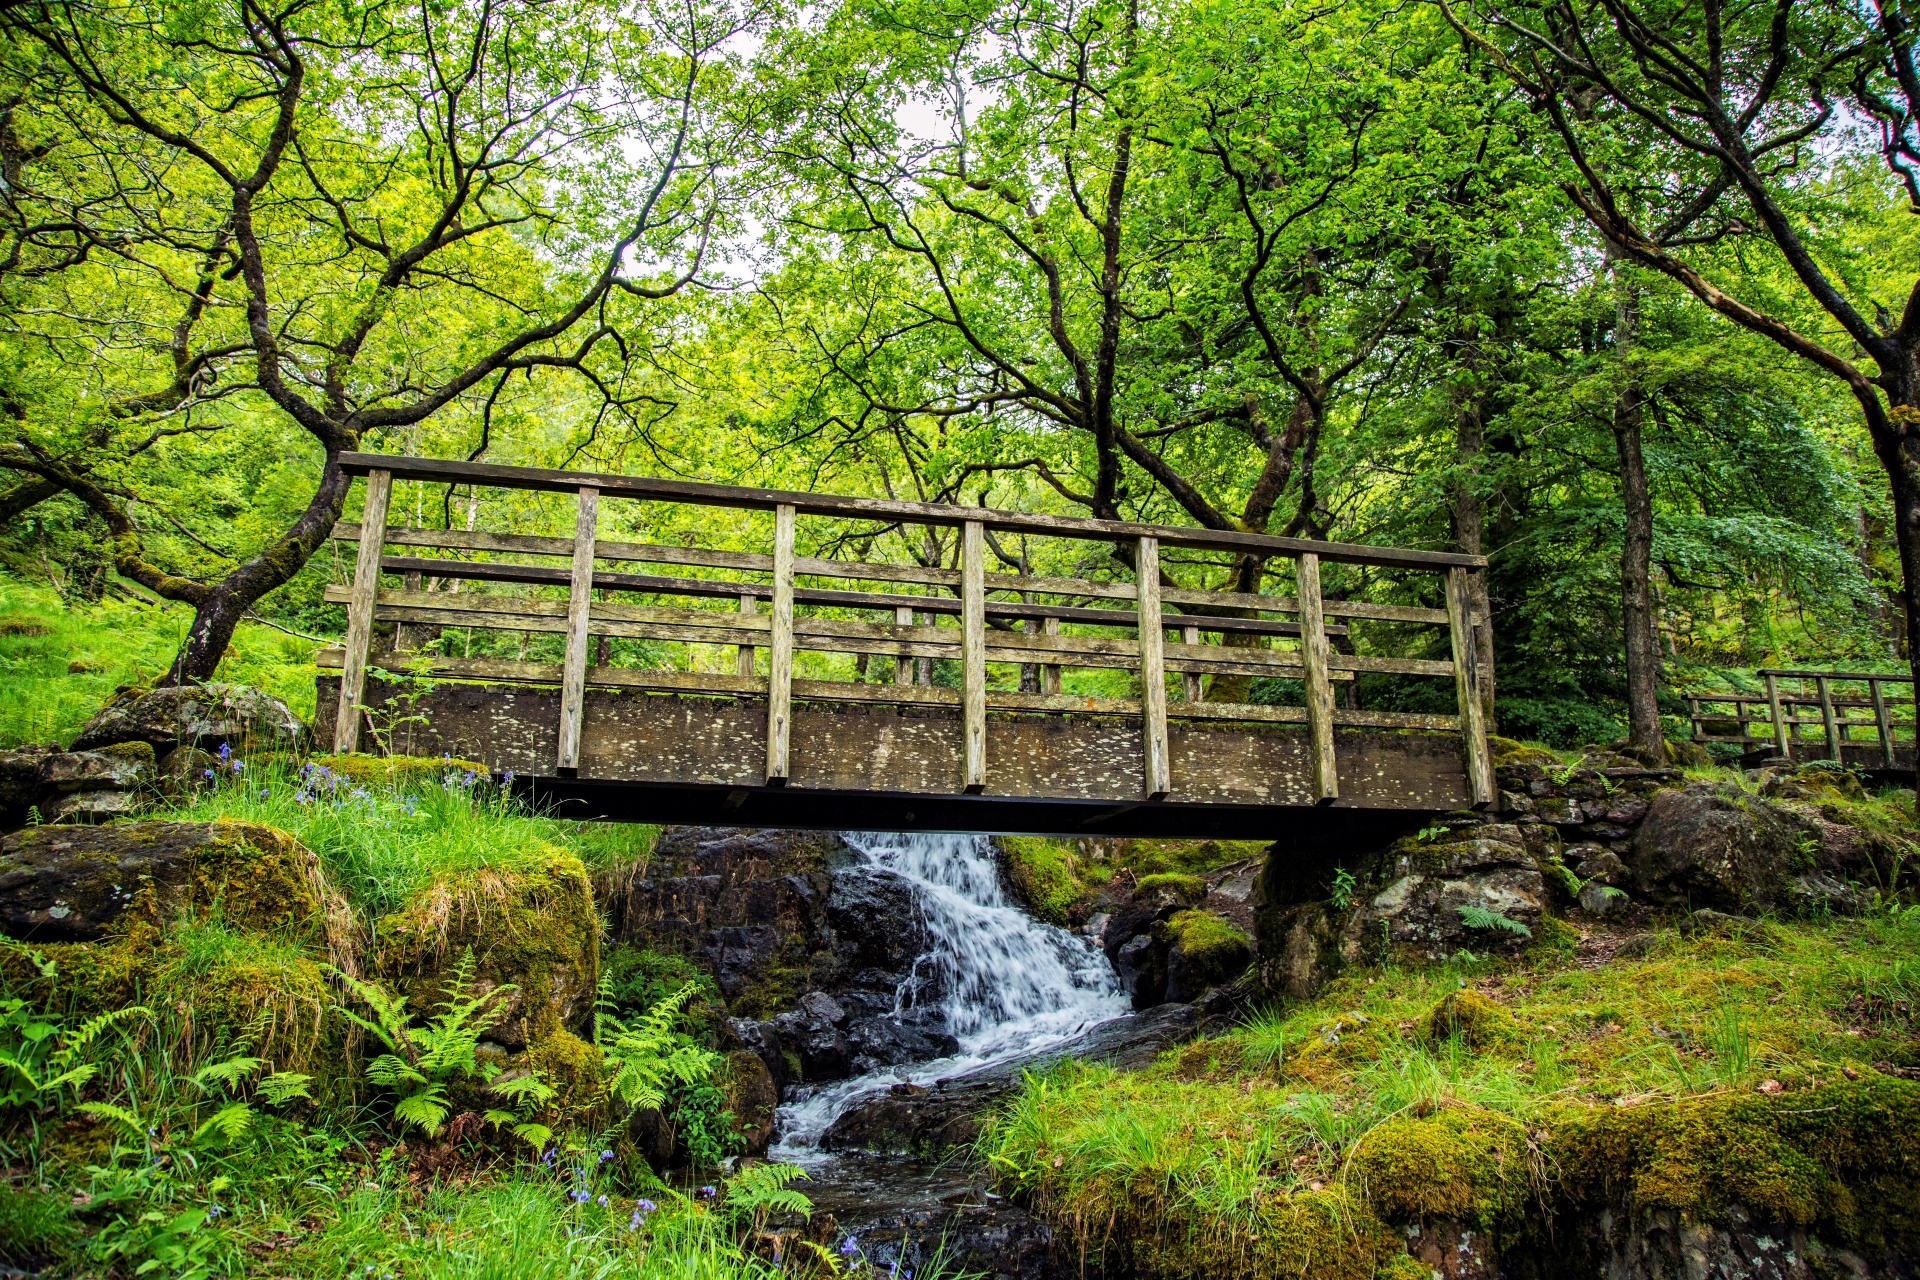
{"x":934,"y":1121}
{"x":1142,"y":965}
{"x":204,"y":716}
{"x":1299,"y":949}
{"x":91,"y":806}
{"x":1203,"y":951}
{"x":901,"y":1213}
{"x":1603,"y":865}
{"x":20,"y":782}
{"x":184,"y":770}
{"x":891,"y":1040}
{"x":1453,"y":1250}
{"x":1632,"y":1242}
{"x":73,"y":883}
{"x":812,"y":1046}
{"x":1599,"y":899}
{"x":755,"y":1096}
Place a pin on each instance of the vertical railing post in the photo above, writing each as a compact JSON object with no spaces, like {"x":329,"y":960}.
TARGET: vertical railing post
{"x":1190,"y":680}
{"x":903,"y":665}
{"x":743,"y":660}
{"x":1153,"y":669}
{"x":1693,"y":713}
{"x":366,"y":589}
{"x":1880,"y":721}
{"x":973,"y":653}
{"x":1466,"y":677}
{"x":780,"y":650}
{"x":1779,"y":716}
{"x":1826,"y":718}
{"x":1743,"y":712}
{"x":1319,"y":689}
{"x":573,"y":675}
{"x":1050,"y":671}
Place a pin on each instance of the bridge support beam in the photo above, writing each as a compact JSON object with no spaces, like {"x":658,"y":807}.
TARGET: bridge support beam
{"x":366,"y":587}
{"x":1153,"y":670}
{"x":1319,"y":690}
{"x":780,"y":652}
{"x":573,"y":675}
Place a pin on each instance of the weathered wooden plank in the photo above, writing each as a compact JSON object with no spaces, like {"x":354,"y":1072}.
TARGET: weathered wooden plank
{"x":360,"y":605}
{"x":1319,"y":693}
{"x":573,"y":684}
{"x":1153,"y":670}
{"x":973,"y":653}
{"x":743,"y":660}
{"x":1190,"y":680}
{"x":903,"y":665}
{"x":1779,"y":719}
{"x":650,"y":488}
{"x":780,"y":651}
{"x":1473,"y":721}
{"x":1881,"y":722}
{"x":1050,"y":671}
{"x":853,"y":749}
{"x":1827,"y":718}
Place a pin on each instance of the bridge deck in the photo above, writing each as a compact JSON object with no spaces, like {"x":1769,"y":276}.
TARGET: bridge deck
{"x":1067,"y":713}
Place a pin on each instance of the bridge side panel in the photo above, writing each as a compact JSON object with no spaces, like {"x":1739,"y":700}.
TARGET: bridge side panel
{"x":642,"y":737}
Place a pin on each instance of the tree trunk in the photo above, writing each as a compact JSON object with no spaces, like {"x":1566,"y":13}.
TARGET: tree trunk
{"x":227,"y":601}
{"x":1903,"y":475}
{"x":1642,"y":642}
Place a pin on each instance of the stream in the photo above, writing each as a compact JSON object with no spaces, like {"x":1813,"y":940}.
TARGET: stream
{"x":1008,"y":986}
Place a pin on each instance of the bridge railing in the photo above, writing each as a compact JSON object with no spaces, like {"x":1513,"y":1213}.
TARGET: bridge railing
{"x":911,"y":614}
{"x":1847,"y":716}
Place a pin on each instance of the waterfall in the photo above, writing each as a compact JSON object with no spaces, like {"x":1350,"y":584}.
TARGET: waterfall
{"x":1007,"y":984}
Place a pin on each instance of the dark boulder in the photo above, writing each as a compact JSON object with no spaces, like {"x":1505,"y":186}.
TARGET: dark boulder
{"x":1715,"y":846}
{"x":1438,"y":890}
{"x":204,"y":716}
{"x":754,"y":1099}
{"x":74,"y":883}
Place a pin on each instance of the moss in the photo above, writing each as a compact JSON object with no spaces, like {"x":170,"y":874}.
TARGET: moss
{"x":1044,"y":875}
{"x":1839,"y":1157}
{"x":1184,"y":887}
{"x":533,"y":926}
{"x":1214,"y":948}
{"x":1403,"y":1266}
{"x":136,"y":752}
{"x":397,"y":773}
{"x":1478,"y":1022}
{"x":575,"y":1069}
{"x":1509,"y":751}
{"x":1468,"y":1165}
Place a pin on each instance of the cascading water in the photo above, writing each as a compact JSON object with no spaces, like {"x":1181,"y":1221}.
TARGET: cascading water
{"x":1007,"y":984}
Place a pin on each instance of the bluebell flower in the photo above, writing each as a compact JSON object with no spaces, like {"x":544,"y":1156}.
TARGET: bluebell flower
{"x":214,"y":1211}
{"x":601,"y":1201}
{"x":225,"y":752}
{"x":605,"y":1156}
{"x":507,"y":776}
{"x":705,"y":1193}
{"x":644,"y":1206}
{"x":265,"y":792}
{"x":849,"y":1246}
{"x":206,"y":773}
{"x":578,"y":1195}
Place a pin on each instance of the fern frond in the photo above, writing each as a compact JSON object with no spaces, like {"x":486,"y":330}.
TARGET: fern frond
{"x":1478,"y":917}
{"x":107,"y":1111}
{"x":229,"y":1122}
{"x":427,"y":1108}
{"x":283,"y":1087}
{"x":227,"y":1074}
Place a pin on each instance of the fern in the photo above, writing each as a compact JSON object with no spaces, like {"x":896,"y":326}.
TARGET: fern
{"x":119,"y":1115}
{"x":1478,"y":917}
{"x":761,"y":1189}
{"x":229,"y":1122}
{"x":227,"y":1074}
{"x":283,"y":1087}
{"x":649,"y":1057}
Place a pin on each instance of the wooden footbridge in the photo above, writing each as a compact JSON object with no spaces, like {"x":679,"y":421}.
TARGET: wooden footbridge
{"x":1847,"y":716}
{"x":1010,"y":701}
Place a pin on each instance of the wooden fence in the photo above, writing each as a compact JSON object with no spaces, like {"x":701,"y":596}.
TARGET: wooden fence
{"x":1847,"y":716}
{"x":777,"y":600}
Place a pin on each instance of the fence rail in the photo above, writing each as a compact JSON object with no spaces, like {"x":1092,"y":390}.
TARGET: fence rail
{"x":786,"y":603}
{"x":1813,"y":714}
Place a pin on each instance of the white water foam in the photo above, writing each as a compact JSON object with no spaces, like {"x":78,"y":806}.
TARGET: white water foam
{"x":1008,"y":984}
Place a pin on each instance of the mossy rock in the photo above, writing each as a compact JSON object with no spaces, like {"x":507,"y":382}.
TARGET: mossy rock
{"x":1472,"y":1018}
{"x":81,"y":884}
{"x":1509,"y":751}
{"x":1312,"y":1235}
{"x":1208,"y":949}
{"x":532,"y":927}
{"x":576,"y":1069}
{"x":1470,"y":1166}
{"x":1839,"y":1158}
{"x":398,"y":773}
{"x":1182,"y":888}
{"x":1043,"y":874}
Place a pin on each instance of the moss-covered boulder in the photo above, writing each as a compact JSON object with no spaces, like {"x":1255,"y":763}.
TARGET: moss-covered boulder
{"x":1711,"y":845}
{"x":1471,"y":1018}
{"x":203,"y":715}
{"x":1203,"y":950}
{"x":75,"y":883}
{"x":531,"y":925}
{"x":1043,"y":874}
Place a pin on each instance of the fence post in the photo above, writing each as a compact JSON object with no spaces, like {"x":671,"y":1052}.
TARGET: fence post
{"x":1779,"y":717}
{"x":1826,"y":718}
{"x":1319,"y":691}
{"x":1466,"y":678}
{"x":1190,"y":680}
{"x":1153,"y":668}
{"x":1050,"y":671}
{"x":902,"y":664}
{"x":973,"y":653}
{"x":743,"y":660}
{"x":366,"y":588}
{"x":1880,"y":721}
{"x":573,"y":676}
{"x":780,"y":649}
{"x":1693,"y":713}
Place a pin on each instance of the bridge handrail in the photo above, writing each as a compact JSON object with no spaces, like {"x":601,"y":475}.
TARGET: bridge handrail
{"x":1040,"y":646}
{"x":1783,"y":728}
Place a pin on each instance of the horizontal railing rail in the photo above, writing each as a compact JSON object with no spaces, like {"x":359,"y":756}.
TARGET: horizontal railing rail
{"x":1889,"y":723}
{"x":916,"y":624}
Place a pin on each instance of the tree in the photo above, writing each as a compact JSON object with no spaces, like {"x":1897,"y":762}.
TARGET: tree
{"x":1727,"y":110}
{"x":366,"y":213}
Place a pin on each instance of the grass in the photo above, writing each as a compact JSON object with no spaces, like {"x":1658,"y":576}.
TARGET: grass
{"x":59,"y":663}
{"x":1278,"y":1111}
{"x":382,"y":841}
